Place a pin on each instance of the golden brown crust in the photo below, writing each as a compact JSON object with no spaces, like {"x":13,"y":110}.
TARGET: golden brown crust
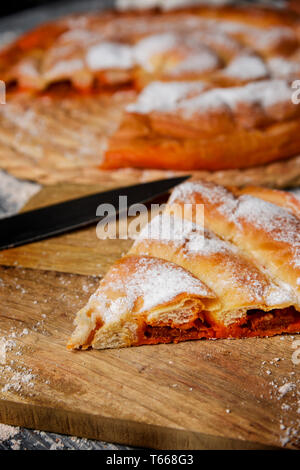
{"x":241,"y":149}
{"x":174,"y":126}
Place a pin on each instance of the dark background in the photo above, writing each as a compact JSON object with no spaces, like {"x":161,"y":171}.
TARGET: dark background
{"x":8,"y":7}
{"x":12,"y":6}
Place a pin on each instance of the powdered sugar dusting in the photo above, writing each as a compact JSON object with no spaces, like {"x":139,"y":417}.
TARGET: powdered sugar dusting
{"x":109,"y":55}
{"x":154,"y":280}
{"x":190,"y":240}
{"x":14,"y":194}
{"x":246,"y":67}
{"x":265,"y":93}
{"x":64,"y":68}
{"x":193,"y":55}
{"x":201,"y":61}
{"x":151,"y":45}
{"x":283,"y":226}
{"x":286,"y":388}
{"x":167,"y":227}
{"x":164,"y":97}
{"x":280,"y":295}
{"x":282,"y":67}
{"x":18,"y":379}
{"x":212,"y":193}
{"x":7,"y":432}
{"x":279,"y":226}
{"x":278,"y":222}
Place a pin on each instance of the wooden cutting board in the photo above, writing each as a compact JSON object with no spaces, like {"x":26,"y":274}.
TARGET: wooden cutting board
{"x":193,"y":395}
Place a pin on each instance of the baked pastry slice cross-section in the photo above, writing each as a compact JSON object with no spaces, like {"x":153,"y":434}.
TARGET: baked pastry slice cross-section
{"x":193,"y":126}
{"x":236,"y":277}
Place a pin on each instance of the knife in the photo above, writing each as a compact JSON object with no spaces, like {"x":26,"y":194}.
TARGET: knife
{"x":39,"y":224}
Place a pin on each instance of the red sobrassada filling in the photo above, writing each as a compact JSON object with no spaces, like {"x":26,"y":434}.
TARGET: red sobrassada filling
{"x":257,"y":323}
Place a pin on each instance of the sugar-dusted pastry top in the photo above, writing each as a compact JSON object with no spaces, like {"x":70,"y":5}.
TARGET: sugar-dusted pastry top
{"x":131,"y":293}
{"x":269,"y":231}
{"x":235,"y":275}
{"x":249,"y":105}
{"x":224,"y":44}
{"x":191,"y":125}
{"x":212,"y":83}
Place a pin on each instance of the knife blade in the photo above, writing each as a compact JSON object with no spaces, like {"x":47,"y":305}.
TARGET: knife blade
{"x":56,"y":219}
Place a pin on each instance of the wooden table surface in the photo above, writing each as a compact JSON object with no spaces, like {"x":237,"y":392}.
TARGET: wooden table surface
{"x":27,"y":439}
{"x":197,"y":394}
{"x":24,"y":438}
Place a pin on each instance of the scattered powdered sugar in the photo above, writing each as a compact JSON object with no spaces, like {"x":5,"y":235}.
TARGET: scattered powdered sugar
{"x":263,"y":38}
{"x":14,"y":194}
{"x":16,"y":376}
{"x":211,"y":193}
{"x":80,"y":36}
{"x":164,"y":97}
{"x":284,"y":391}
{"x":208,"y":245}
{"x":217,"y":39}
{"x":110,"y":55}
{"x":269,"y":92}
{"x":185,"y":234}
{"x":18,"y":379}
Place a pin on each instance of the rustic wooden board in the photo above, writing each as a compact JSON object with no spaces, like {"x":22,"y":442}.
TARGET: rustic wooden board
{"x":201,"y":394}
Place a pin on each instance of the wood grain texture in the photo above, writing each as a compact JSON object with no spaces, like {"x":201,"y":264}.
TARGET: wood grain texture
{"x":200,"y":394}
